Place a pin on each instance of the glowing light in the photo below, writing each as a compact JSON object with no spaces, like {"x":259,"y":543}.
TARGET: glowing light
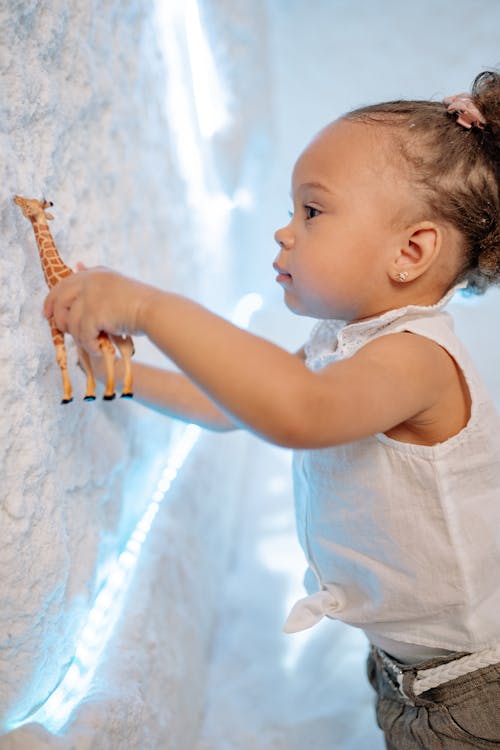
{"x":245,"y":308}
{"x":178,"y":100}
{"x":195,"y":109}
{"x":208,"y":92}
{"x":243,"y":198}
{"x":195,"y":94}
{"x":56,"y":712}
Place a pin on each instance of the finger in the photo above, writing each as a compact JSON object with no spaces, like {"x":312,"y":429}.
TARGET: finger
{"x":59,"y":316}
{"x":81,"y":326}
{"x":73,"y":320}
{"x":62,"y":304}
{"x":88,"y":336}
{"x":48,"y":306}
{"x":81,"y":266}
{"x":61,"y":295}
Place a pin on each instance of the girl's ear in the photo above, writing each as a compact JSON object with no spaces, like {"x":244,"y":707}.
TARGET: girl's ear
{"x":418,"y":251}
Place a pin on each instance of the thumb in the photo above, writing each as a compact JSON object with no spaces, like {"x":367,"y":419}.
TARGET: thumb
{"x":48,"y":306}
{"x":81,"y":266}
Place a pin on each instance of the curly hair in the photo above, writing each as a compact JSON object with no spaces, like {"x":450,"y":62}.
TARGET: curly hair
{"x":455,"y":170}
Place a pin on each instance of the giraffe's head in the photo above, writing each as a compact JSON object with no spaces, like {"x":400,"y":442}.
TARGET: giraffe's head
{"x":32,"y":208}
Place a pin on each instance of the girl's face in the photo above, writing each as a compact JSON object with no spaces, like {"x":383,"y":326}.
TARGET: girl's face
{"x":348,"y":202}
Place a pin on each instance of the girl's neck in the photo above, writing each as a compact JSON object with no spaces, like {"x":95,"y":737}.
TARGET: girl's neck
{"x":408,"y":297}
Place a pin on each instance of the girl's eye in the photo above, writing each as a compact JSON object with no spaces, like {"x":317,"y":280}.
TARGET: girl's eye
{"x":311,"y":212}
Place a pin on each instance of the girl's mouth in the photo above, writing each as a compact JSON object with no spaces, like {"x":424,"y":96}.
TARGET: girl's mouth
{"x":283,"y":276}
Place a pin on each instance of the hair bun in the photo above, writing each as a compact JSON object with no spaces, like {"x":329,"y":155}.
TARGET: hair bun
{"x":488,"y":263}
{"x":486,"y":96}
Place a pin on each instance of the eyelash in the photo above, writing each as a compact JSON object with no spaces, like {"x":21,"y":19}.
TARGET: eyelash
{"x":308,"y":210}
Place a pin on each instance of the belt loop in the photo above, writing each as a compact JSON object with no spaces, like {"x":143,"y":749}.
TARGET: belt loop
{"x":402,"y":676}
{"x":406,"y":681}
{"x":392,"y":670}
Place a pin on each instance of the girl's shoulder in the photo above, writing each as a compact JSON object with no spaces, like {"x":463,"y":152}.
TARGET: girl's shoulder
{"x":448,"y":407}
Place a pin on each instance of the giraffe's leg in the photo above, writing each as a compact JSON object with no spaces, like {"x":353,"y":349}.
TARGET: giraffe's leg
{"x":108,"y":352}
{"x":84,"y":360}
{"x":125,"y":346}
{"x":62,"y":361}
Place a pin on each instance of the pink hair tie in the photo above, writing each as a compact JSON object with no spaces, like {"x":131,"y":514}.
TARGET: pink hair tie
{"x":468,"y":113}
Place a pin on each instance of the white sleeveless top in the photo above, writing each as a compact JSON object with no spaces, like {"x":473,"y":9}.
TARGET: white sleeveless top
{"x":403,"y":540}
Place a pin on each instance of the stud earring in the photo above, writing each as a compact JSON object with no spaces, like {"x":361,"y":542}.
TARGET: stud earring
{"x":403,"y":275}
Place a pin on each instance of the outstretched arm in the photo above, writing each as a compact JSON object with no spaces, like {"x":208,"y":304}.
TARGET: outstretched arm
{"x":170,"y":393}
{"x":261,"y":387}
{"x":247,"y":377}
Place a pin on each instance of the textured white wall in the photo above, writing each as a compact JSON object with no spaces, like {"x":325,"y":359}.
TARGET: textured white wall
{"x":83,"y":123}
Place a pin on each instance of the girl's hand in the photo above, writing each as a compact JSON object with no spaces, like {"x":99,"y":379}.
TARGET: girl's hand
{"x":95,"y":300}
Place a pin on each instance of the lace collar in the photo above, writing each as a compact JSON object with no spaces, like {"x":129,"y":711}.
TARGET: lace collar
{"x":336,"y":339}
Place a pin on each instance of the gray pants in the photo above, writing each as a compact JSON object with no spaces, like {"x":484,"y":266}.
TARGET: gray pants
{"x":456,"y":715}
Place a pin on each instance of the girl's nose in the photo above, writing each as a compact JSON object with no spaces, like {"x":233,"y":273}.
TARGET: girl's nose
{"x":284,"y":237}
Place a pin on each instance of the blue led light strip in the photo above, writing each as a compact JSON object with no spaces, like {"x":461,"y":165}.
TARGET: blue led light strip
{"x":56,"y":711}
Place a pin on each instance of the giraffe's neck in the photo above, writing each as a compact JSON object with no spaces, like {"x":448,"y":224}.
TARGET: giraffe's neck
{"x":53,"y":267}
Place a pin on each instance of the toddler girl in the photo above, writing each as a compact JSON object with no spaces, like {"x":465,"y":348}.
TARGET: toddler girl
{"x":397,"y":443}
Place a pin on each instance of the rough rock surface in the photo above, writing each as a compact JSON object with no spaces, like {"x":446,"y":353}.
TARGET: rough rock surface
{"x":83,"y":122}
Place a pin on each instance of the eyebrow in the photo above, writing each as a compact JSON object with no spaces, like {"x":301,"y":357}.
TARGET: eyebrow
{"x":319,"y":185}
{"x":315,"y":185}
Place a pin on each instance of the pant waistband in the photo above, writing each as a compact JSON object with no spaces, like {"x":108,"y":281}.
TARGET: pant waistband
{"x":413,"y":682}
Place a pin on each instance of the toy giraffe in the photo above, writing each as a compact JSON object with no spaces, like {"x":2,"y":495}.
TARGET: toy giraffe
{"x":54,"y":270}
